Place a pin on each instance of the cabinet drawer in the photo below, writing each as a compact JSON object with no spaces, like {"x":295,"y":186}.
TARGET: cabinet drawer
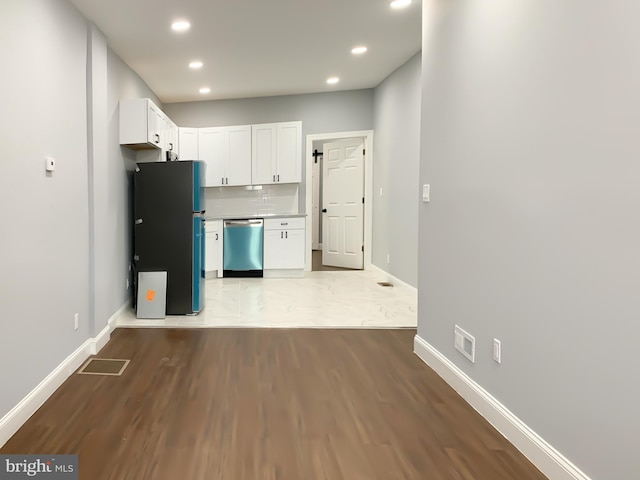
{"x":213,"y":226}
{"x":284,"y":223}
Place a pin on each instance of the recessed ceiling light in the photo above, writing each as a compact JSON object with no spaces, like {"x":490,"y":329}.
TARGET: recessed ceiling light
{"x":205,"y":90}
{"x":180,"y":26}
{"x":195,"y":65}
{"x":358,"y":50}
{"x":332,"y":80}
{"x":400,"y":3}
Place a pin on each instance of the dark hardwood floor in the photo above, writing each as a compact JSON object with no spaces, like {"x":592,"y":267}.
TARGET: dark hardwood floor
{"x":245,"y":404}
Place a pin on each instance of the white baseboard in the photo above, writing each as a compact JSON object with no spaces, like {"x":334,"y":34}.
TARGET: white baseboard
{"x":18,"y":415}
{"x":392,"y":279}
{"x":105,"y":335}
{"x":546,"y":458}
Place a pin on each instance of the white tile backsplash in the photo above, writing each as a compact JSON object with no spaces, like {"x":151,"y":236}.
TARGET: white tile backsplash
{"x":256,"y":200}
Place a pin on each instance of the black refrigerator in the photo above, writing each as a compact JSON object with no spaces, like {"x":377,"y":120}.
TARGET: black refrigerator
{"x":169,"y":229}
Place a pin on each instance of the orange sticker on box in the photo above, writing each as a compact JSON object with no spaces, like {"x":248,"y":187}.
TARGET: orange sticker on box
{"x":151,"y":295}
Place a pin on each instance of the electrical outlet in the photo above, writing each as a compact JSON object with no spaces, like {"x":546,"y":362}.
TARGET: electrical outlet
{"x":388,"y":258}
{"x":75,"y":321}
{"x":497,"y":350}
{"x":465,"y":343}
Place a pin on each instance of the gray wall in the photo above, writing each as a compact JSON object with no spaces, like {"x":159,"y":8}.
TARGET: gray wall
{"x":44,"y":244}
{"x":122,"y":83}
{"x":319,"y":112}
{"x":530,"y":118}
{"x":396,"y":166}
{"x":66,"y":239}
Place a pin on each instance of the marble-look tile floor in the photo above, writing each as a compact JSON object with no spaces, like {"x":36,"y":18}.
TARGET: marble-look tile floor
{"x":319,"y":300}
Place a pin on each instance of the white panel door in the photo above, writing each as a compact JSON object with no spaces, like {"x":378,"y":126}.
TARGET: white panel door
{"x":212,"y":149}
{"x":289,"y":153}
{"x":343,"y":194}
{"x":188,"y":143}
{"x":239,"y":155}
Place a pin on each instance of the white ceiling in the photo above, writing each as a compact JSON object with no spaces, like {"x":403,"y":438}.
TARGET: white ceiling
{"x":255,"y":48}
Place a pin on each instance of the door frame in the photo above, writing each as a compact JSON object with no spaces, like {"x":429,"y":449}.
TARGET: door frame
{"x":367,"y":136}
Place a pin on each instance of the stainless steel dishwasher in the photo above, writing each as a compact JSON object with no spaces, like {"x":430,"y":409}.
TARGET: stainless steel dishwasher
{"x":242,"y":253}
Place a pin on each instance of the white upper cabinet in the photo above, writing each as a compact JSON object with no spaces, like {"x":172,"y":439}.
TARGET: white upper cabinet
{"x":188,"y":143}
{"x":242,"y":155}
{"x":171,"y":143}
{"x":211,"y":150}
{"x":227,"y":152}
{"x":239,"y":155}
{"x":263,"y":160}
{"x":277,"y":153}
{"x":289,"y":152}
{"x":139,"y":123}
{"x":144,"y":126}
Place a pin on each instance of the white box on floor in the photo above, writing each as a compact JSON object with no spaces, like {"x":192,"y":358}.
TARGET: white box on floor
{"x":152,"y":295}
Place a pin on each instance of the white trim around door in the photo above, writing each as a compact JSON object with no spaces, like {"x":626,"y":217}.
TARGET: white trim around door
{"x":367,"y":135}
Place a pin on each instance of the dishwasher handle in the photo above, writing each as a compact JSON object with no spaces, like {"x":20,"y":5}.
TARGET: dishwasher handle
{"x":243,"y":223}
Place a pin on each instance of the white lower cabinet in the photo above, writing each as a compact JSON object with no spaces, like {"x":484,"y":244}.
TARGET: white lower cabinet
{"x":284,"y":245}
{"x":213,"y":248}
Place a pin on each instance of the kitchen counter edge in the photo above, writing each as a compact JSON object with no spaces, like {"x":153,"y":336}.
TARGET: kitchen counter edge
{"x":243,"y":217}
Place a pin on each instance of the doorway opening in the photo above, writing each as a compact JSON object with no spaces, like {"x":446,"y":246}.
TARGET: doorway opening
{"x":339,"y":214}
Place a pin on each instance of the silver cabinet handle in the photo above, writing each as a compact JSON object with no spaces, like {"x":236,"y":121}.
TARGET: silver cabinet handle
{"x":280,"y":234}
{"x":278,"y":178}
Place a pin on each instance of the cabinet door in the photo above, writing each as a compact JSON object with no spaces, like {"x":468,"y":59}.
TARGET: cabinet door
{"x":188,"y":143}
{"x":238,"y":171}
{"x":210,"y":254}
{"x":289,"y":153}
{"x":263,"y":161}
{"x":273,"y":249}
{"x":213,"y":254}
{"x":172,"y":137}
{"x":293,"y":255}
{"x":154,"y":125}
{"x":284,"y":249}
{"x":212,"y":149}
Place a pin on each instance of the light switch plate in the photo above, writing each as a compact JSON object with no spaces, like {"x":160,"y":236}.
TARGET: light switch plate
{"x":497,"y":350}
{"x":426,"y":193}
{"x":50,"y":164}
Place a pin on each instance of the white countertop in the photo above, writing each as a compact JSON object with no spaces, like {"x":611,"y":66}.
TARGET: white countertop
{"x":265,"y":215}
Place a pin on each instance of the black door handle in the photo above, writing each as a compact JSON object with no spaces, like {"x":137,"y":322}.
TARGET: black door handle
{"x":324,"y":210}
